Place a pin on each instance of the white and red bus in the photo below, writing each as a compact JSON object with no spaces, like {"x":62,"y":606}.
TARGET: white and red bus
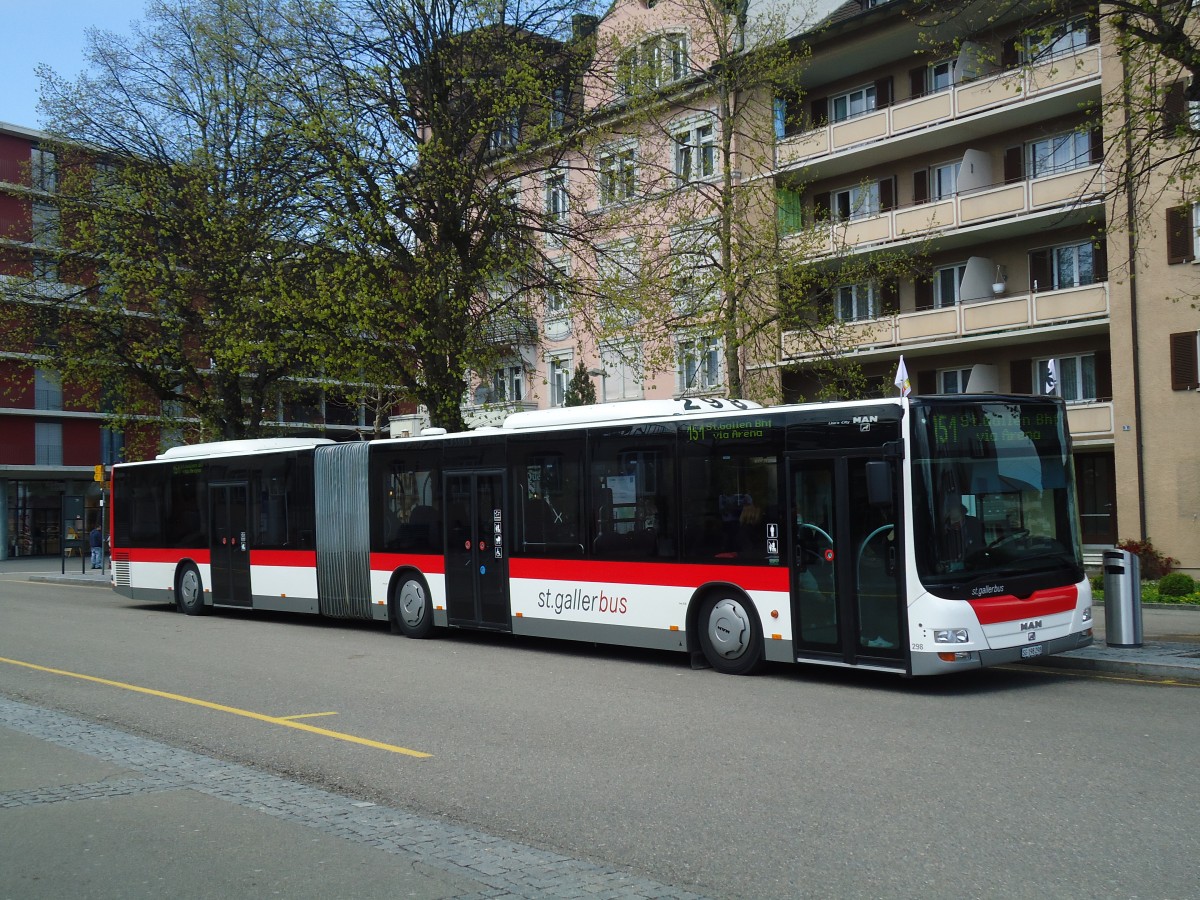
{"x":918,"y":536}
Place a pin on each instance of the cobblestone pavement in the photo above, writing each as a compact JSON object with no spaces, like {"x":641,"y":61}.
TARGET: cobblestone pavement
{"x":495,"y":867}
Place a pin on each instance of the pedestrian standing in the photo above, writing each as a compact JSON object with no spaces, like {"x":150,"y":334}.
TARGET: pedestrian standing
{"x":97,"y":541}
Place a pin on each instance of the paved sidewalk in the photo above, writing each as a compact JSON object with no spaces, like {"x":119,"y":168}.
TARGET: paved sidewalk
{"x":1170,"y":649}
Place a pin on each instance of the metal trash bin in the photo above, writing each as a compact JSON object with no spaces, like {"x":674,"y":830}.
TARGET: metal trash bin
{"x":1122,"y":599}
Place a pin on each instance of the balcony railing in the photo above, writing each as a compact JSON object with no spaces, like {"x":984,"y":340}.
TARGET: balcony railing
{"x":1077,"y":187}
{"x":1005,"y":89}
{"x":952,"y":323}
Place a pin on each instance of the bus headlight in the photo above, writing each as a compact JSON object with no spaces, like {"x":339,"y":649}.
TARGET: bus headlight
{"x":951,"y":636}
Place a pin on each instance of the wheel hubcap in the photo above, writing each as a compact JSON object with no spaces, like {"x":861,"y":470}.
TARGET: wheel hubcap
{"x":412,"y":603}
{"x":189,"y":587}
{"x":729,"y":629}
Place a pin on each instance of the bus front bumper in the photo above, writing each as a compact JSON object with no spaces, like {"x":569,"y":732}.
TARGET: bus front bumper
{"x":936,"y":664}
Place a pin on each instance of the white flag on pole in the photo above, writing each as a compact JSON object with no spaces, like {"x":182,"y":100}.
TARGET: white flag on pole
{"x":1051,"y":378}
{"x":901,"y":380}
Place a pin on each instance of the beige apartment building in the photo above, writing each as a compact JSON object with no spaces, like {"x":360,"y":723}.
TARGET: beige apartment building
{"x":988,"y":166}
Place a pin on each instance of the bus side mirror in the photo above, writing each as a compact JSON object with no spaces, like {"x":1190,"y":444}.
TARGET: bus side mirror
{"x":879,"y":483}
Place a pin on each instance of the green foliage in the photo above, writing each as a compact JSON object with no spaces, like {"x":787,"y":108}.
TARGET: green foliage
{"x":1176,"y":584}
{"x":1153,"y":564}
{"x":580,"y":390}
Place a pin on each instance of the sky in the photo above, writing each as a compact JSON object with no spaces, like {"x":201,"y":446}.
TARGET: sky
{"x":51,"y":32}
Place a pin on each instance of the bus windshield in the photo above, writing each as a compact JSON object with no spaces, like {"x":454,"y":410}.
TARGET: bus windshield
{"x":991,"y":495}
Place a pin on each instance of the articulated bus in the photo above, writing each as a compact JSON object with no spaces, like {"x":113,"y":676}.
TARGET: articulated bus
{"x":918,"y":536}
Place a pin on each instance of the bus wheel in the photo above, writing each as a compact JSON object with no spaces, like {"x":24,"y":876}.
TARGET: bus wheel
{"x":729,"y":635}
{"x":189,"y":591}
{"x":411,"y":611}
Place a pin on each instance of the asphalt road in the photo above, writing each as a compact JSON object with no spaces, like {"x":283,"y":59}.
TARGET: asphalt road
{"x":798,"y":782}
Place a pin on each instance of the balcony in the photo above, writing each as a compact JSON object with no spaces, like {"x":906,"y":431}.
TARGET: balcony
{"x":1004,"y":203}
{"x":1007,"y":315}
{"x":1048,"y":89}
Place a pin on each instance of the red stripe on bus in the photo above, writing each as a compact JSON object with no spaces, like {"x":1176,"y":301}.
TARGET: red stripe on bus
{"x":430,"y":564}
{"x":293,"y":559}
{"x":751,"y":578}
{"x":1008,"y":608}
{"x":158,"y":555}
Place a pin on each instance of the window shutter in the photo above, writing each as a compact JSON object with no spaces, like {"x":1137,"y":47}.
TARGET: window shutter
{"x":1175,"y":109}
{"x":790,"y":211}
{"x":1039,"y":271}
{"x":1185,"y":373}
{"x":916,"y":82}
{"x":1104,"y":390}
{"x":927,"y":381}
{"x":1010,"y":53}
{"x":1179,"y":235}
{"x":1020,"y":376}
{"x":819,"y":112}
{"x":821,"y":206}
{"x":921,"y":186}
{"x":1095,"y":146}
{"x":1014,"y":164}
{"x":883,"y":92}
{"x":1100,"y":259}
{"x":887,"y":194}
{"x":890,"y":297}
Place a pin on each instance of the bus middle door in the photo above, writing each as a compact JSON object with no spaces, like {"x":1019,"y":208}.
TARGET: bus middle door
{"x":476,"y":550}
{"x":847,"y":577}
{"x":230,"y":549}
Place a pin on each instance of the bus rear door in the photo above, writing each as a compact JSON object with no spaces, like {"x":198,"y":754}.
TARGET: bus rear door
{"x":230,"y":550}
{"x":847,"y":597}
{"x":476,"y":550}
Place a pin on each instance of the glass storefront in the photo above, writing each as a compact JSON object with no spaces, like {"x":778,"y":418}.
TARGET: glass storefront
{"x":46,"y":518}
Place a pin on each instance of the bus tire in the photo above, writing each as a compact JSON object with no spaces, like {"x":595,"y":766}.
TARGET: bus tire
{"x":411,"y":612}
{"x":189,"y":591}
{"x":729,"y":634}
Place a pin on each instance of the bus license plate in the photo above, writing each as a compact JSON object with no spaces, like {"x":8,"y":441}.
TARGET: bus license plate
{"x":1031,"y":651}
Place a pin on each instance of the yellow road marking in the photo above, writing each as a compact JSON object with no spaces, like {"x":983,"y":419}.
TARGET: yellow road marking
{"x":1100,"y":676}
{"x":307,"y":716}
{"x":285,"y":721}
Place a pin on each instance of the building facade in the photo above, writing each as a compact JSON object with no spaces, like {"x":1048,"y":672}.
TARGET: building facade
{"x":51,"y":436}
{"x":988,"y":165}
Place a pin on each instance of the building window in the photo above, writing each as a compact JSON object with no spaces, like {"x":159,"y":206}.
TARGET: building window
{"x":953,"y":381}
{"x":947,"y":285}
{"x":506,"y":132}
{"x":557,"y":200}
{"x":856,"y":202}
{"x":939,"y":76}
{"x":853,"y":103}
{"x":653,"y":63}
{"x":45,"y":225}
{"x":622,"y":370}
{"x":48,"y":443}
{"x":699,"y":364}
{"x":695,"y":152}
{"x":1074,"y":265}
{"x":558,"y":107}
{"x":45,"y":267}
{"x":1071,"y":377}
{"x":508,"y":384}
{"x":856,"y":302}
{"x":559,"y":378}
{"x":1060,"y":153}
{"x":943,"y":180}
{"x":618,"y":174}
{"x":1065,"y":37}
{"x":47,"y":390}
{"x":695,"y":267}
{"x":44,"y":169}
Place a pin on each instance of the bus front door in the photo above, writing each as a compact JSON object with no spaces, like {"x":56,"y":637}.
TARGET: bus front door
{"x":476,"y":550}
{"x":230,"y":549}
{"x":847,"y":596}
